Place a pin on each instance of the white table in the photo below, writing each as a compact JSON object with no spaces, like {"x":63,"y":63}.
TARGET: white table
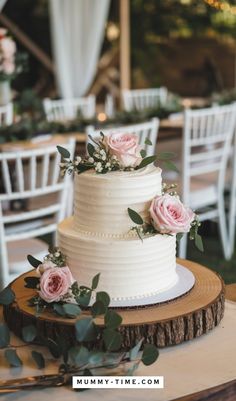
{"x":187,"y":368}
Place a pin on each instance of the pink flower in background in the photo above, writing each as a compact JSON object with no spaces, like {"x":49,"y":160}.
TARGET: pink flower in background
{"x":8,"y":47}
{"x":170,"y":216}
{"x":55,"y":283}
{"x":3,"y":32}
{"x":125,"y":147}
{"x":8,"y":66}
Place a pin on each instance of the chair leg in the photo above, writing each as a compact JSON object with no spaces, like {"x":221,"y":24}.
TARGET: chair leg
{"x":183,"y":247}
{"x":223,"y":229}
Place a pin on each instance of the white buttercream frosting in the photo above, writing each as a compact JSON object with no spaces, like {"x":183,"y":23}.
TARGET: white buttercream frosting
{"x":101,"y":200}
{"x":129,"y":267}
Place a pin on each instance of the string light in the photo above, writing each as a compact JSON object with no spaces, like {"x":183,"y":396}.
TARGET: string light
{"x":221,"y":6}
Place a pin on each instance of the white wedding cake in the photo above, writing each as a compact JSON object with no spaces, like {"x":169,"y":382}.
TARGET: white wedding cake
{"x":99,"y":239}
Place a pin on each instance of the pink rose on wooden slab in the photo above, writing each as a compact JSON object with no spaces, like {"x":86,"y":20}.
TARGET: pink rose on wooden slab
{"x":125,"y":147}
{"x":170,"y":216}
{"x":55,"y":283}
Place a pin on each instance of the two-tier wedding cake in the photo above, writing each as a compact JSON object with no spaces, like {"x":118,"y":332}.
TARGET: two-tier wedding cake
{"x":99,"y":238}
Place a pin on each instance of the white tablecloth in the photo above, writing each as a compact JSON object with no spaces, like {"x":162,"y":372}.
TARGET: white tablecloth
{"x":187,"y":368}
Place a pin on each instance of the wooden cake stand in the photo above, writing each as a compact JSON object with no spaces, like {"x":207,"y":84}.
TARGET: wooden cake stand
{"x":170,"y":323}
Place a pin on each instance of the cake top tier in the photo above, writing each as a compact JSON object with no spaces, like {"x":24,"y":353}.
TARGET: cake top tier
{"x":101,"y":200}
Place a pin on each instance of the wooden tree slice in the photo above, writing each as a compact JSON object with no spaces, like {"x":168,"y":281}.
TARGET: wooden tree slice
{"x":183,"y":319}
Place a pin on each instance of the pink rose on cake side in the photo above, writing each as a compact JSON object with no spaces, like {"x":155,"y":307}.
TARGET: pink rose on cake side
{"x":125,"y":147}
{"x":55,"y":283}
{"x":170,"y":216}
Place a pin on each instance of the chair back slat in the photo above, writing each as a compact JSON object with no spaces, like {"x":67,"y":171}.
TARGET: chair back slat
{"x":6,"y":177}
{"x":20,"y":174}
{"x":45,"y":170}
{"x":33,"y":172}
{"x":141,"y":99}
{"x":144,"y":130}
{"x":68,"y":109}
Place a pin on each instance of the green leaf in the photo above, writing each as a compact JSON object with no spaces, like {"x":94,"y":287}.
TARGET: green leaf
{"x":135,"y":217}
{"x":64,"y":152}
{"x":84,"y":299}
{"x":133,"y":353}
{"x":7,"y":296}
{"x":71,"y":310}
{"x":112,"y":319}
{"x":166,"y":155}
{"x":198,"y":242}
{"x":29,"y":333}
{"x":148,"y":142}
{"x":147,"y":160}
{"x":54,"y":348}
{"x":31,"y":282}
{"x":103,"y":297}
{"x":85,"y":329}
{"x":12,"y":358}
{"x":169,"y":165}
{"x":150,"y":354}
{"x":59,"y":309}
{"x":38,"y":359}
{"x":98,"y":308}
{"x":95,"y":281}
{"x":79,"y":355}
{"x":33,"y":261}
{"x":112,"y":339}
{"x":90,"y":149}
{"x":4,"y":335}
{"x":96,"y":357}
{"x":130,"y":371}
{"x":143,"y":153}
{"x":179,"y":236}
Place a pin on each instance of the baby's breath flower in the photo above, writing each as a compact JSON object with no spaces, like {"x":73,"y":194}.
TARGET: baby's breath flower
{"x":91,"y":160}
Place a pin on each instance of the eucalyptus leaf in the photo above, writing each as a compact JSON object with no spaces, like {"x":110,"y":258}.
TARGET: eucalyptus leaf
{"x":150,"y":354}
{"x":103,"y":297}
{"x":130,"y":371}
{"x":166,"y":155}
{"x":143,"y":153}
{"x":148,"y":142}
{"x":90,"y":149}
{"x":29,"y":333}
{"x":133,"y":353}
{"x":12,"y":358}
{"x":33,"y":261}
{"x":95,"y":281}
{"x":98,"y":308}
{"x":54,"y":348}
{"x":135,"y":217}
{"x":169,"y":165}
{"x":4,"y":335}
{"x":84,"y":299}
{"x":58,"y":308}
{"x":85,"y":329}
{"x":7,"y":296}
{"x":96,"y":357}
{"x":79,"y":355}
{"x":112,"y":339}
{"x":64,"y":152}
{"x":71,"y":310}
{"x":112,"y":319}
{"x":31,"y":282}
{"x":38,"y":359}
{"x":198,"y":242}
{"x":147,"y":160}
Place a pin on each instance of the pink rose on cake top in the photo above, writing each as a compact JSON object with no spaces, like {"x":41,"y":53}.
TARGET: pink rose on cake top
{"x":170,"y":216}
{"x":125,"y":147}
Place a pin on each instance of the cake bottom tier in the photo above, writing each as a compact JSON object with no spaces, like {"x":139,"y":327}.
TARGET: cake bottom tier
{"x":129,"y":268}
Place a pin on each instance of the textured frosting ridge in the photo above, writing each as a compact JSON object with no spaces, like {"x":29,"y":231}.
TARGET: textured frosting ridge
{"x":129,"y":267}
{"x":101,"y":201}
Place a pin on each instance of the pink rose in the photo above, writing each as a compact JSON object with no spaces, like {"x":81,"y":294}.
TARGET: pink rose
{"x":55,"y":283}
{"x":170,"y":216}
{"x":8,"y":47}
{"x":125,"y":147}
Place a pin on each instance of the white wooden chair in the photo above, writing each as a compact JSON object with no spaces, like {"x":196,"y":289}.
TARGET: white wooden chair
{"x":207,"y":141}
{"x":141,"y":99}
{"x":68,"y":109}
{"x":6,"y":114}
{"x":25,"y":175}
{"x":144,"y":130}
